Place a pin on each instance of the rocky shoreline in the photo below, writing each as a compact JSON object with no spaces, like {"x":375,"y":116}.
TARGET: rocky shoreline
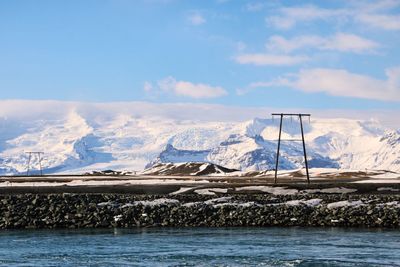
{"x":125,"y":210}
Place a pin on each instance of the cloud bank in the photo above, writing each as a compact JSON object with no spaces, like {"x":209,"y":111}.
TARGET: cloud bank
{"x":170,"y":85}
{"x":261,"y":59}
{"x":340,"y":82}
{"x":375,"y":14}
{"x":26,"y":110}
{"x":342,"y":42}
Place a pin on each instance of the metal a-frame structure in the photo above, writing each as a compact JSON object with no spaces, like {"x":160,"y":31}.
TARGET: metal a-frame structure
{"x":39,"y":156}
{"x":291,"y":115}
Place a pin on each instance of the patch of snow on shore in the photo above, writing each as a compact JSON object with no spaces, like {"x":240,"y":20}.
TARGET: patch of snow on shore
{"x":156,"y":202}
{"x":378,"y":181}
{"x":191,"y":204}
{"x":236,"y":204}
{"x":345,"y":203}
{"x":333,"y":190}
{"x":210,"y":191}
{"x":102,"y":204}
{"x":269,"y":189}
{"x":99,"y":183}
{"x":217,"y":200}
{"x":208,"y":202}
{"x":117,"y":218}
{"x":311,"y":202}
{"x":395,"y":204}
{"x":135,"y":182}
{"x":30,"y":184}
{"x":127,"y":205}
{"x":181,"y":190}
{"x":387,"y":175}
{"x":388,"y":189}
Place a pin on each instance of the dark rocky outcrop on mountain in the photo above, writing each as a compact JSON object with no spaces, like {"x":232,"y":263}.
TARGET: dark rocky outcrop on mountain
{"x":188,"y":168}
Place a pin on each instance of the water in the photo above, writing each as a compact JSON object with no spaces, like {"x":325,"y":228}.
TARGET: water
{"x":201,"y":247}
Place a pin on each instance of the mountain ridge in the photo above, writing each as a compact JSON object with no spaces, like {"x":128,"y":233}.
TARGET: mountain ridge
{"x":76,"y":141}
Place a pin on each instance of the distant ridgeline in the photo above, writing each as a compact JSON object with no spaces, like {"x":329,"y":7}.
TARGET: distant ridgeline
{"x":78,"y":142}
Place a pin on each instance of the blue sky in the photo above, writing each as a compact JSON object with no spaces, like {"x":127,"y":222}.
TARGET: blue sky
{"x":283,"y":54}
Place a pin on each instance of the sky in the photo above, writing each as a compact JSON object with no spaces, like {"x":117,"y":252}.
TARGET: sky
{"x":320,"y":55}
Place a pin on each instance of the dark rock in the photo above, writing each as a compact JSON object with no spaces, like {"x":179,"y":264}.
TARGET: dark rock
{"x":82,"y":210}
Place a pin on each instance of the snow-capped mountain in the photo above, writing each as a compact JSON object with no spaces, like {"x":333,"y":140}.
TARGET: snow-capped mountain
{"x":85,"y":137}
{"x":246,"y":152}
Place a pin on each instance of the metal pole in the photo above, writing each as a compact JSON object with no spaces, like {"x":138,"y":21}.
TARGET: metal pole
{"x":40,"y":164}
{"x":304,"y":148}
{"x":277,"y":152}
{"x":29,"y":162}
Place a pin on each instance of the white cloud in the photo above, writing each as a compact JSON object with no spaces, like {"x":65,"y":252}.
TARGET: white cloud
{"x":278,"y":48}
{"x":375,"y":14}
{"x":196,"y":19}
{"x":279,"y":43}
{"x":270,"y":59}
{"x":349,"y":43}
{"x":28,"y":110}
{"x":188,"y":89}
{"x":343,"y":42}
{"x":376,"y":6}
{"x":289,"y":16}
{"x":386,"y":22}
{"x":339,"y":82}
{"x":147,"y":86}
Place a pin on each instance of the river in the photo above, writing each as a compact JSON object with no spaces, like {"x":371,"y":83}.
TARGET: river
{"x":201,"y":247}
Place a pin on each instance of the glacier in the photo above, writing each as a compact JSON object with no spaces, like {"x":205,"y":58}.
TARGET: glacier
{"x":82,"y":137}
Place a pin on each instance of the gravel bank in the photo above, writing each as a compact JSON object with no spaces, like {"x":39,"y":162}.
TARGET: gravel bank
{"x":125,"y":210}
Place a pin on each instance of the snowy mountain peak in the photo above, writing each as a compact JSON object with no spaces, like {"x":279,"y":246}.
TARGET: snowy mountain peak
{"x":256,"y":126}
{"x":81,"y":138}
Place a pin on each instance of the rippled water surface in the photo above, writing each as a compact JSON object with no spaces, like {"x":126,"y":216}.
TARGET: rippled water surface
{"x":201,"y":247}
